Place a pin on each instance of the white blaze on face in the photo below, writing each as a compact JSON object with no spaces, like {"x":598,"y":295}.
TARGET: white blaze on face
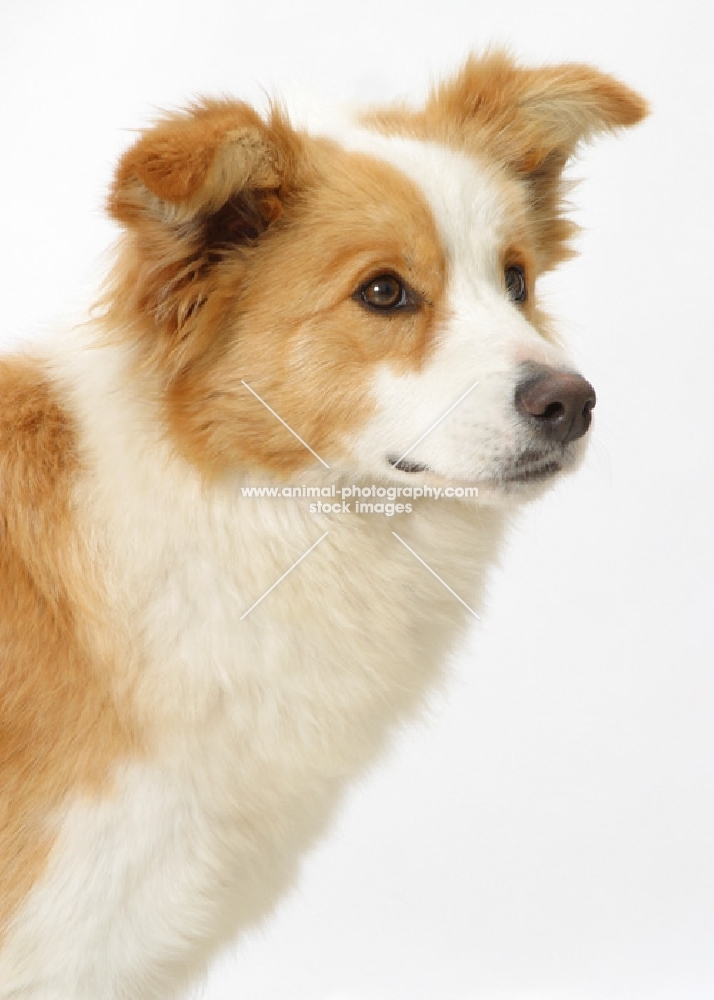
{"x":483,"y":338}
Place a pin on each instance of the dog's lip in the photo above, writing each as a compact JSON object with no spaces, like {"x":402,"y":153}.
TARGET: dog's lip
{"x":404,"y":465}
{"x":532,"y":467}
{"x":533,"y":474}
{"x":428,"y":476}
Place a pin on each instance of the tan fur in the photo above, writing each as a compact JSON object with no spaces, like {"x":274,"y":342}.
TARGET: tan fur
{"x":205,"y":298}
{"x":59,"y":729}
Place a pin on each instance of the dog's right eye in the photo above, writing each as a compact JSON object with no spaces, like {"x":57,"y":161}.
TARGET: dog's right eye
{"x":385,"y":292}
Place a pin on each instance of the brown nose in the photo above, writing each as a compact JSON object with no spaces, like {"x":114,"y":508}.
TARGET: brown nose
{"x":558,"y":404}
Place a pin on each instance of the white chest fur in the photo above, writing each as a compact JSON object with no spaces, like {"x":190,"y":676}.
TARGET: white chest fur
{"x":255,"y":723}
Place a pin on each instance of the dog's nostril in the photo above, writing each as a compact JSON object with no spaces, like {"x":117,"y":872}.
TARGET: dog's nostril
{"x":559,"y":404}
{"x":552,"y":411}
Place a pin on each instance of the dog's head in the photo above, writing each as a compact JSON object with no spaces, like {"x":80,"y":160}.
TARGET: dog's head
{"x":371,"y":285}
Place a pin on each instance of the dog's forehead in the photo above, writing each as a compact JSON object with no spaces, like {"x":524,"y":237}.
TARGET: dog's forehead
{"x":476,"y":206}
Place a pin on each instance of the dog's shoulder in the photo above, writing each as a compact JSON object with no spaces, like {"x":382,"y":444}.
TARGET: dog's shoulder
{"x":57,"y":726}
{"x":38,"y":465}
{"x":37,"y":437}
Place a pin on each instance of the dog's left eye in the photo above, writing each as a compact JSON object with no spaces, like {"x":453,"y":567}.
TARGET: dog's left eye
{"x":516,"y":285}
{"x":385,"y":292}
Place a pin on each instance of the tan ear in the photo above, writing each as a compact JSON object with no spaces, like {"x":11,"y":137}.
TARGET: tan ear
{"x":197,"y":187}
{"x":194,"y":162}
{"x":531,"y":115}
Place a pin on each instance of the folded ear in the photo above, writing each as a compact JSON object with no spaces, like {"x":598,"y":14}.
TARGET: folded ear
{"x":194,"y":188}
{"x":534,"y":120}
{"x":193,"y":163}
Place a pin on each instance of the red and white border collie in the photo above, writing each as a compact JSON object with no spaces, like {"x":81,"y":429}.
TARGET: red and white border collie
{"x":352,"y":302}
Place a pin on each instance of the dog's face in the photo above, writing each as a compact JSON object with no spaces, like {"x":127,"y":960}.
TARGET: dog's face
{"x":491,"y":401}
{"x":371,"y":285}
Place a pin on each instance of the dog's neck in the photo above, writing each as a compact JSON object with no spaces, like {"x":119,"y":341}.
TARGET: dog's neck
{"x":203,"y":573}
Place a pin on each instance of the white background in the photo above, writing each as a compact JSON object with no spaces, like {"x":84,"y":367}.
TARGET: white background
{"x":549,"y":832}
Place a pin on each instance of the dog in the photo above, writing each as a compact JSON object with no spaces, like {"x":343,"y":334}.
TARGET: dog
{"x":195,"y":659}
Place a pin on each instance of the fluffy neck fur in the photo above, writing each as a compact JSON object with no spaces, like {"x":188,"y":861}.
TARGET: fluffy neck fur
{"x":186,"y":559}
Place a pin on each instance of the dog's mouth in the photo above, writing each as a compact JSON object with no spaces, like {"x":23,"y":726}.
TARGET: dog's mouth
{"x":529,"y":467}
{"x":404,"y":465}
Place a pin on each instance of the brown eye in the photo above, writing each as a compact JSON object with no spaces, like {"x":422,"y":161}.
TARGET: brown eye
{"x":516,"y":284}
{"x":384,"y":292}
